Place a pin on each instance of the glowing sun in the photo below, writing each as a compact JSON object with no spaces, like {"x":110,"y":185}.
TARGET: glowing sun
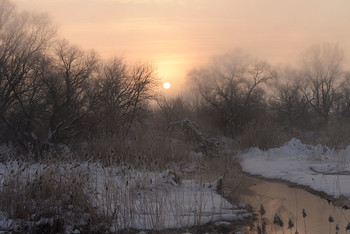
{"x":166,"y":85}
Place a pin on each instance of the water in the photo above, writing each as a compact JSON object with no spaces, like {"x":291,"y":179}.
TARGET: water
{"x":289,"y":202}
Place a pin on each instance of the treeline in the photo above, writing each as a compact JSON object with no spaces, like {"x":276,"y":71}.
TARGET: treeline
{"x":248,"y":99}
{"x":52,"y":92}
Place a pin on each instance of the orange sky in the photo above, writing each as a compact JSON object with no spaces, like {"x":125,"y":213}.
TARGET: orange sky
{"x":181,"y":34}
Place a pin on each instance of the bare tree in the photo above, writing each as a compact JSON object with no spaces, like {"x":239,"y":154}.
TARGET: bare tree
{"x":288,"y":99}
{"x":126,"y":89}
{"x":116,"y":88}
{"x":69,"y":92}
{"x":232,"y":85}
{"x":52,"y":92}
{"x":144,"y":80}
{"x":322,"y":68}
{"x":343,"y":102}
{"x":172,"y":110}
{"x":24,"y":39}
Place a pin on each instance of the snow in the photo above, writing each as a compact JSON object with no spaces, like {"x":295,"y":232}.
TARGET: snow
{"x":134,"y":199}
{"x":318,"y":167}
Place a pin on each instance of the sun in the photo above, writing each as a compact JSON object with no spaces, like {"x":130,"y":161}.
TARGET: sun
{"x":166,"y":85}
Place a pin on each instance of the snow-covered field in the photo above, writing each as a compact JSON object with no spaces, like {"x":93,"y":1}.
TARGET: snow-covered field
{"x":129,"y":198}
{"x":319,"y":167}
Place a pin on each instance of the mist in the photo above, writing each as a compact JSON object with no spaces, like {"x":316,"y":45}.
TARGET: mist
{"x":133,"y":116}
{"x":180,"y":35}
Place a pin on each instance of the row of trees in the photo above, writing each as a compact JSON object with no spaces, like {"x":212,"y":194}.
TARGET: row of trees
{"x":52,"y":92}
{"x":241,"y":90}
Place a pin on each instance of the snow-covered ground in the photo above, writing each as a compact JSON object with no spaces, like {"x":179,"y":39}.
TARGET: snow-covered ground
{"x":131,"y":198}
{"x":319,"y":167}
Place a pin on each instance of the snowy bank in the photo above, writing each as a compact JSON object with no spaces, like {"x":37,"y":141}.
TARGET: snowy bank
{"x":318,"y":167}
{"x":128,"y":198}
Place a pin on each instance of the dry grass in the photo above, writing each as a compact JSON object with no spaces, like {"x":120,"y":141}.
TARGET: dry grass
{"x":100,"y":185}
{"x":151,"y":152}
{"x":223,"y":166}
{"x":52,"y":194}
{"x":56,"y":195}
{"x":264,"y":135}
{"x":67,"y":197}
{"x":337,"y":135}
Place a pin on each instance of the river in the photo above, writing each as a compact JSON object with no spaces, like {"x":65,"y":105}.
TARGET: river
{"x":288,"y":202}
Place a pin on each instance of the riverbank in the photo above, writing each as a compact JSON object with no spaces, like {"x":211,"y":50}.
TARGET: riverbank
{"x":286,"y":199}
{"x":318,"y":168}
{"x":295,"y":177}
{"x":90,"y":197}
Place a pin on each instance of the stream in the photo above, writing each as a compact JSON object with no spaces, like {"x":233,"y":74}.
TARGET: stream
{"x":289,"y":202}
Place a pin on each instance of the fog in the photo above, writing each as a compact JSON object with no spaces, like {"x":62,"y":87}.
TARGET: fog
{"x":91,"y":141}
{"x":179,"y":35}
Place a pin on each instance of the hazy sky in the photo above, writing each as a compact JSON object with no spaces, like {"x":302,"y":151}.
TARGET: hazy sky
{"x":180,"y":34}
